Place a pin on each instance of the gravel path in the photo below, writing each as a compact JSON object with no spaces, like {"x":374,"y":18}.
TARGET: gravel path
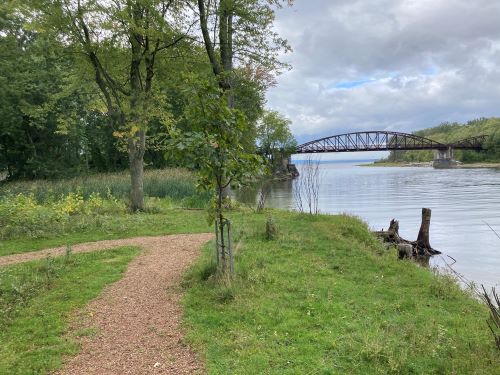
{"x":136,"y":320}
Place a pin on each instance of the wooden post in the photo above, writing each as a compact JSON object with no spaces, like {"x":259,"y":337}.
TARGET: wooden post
{"x":423,"y":234}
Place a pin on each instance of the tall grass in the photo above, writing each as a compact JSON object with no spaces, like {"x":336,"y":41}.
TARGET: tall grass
{"x":175,"y":183}
{"x":46,"y":208}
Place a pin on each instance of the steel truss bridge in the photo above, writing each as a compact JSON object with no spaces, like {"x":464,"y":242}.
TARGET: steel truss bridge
{"x":385,"y":141}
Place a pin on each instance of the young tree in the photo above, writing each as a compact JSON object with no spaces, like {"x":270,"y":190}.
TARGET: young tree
{"x":120,"y":42}
{"x":214,"y":150}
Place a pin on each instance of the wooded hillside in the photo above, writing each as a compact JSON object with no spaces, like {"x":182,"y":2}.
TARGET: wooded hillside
{"x":452,"y":132}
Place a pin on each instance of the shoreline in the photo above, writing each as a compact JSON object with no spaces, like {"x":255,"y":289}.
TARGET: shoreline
{"x":429,"y":165}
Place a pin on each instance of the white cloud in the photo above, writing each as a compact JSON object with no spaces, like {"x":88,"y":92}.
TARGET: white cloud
{"x":424,"y":62}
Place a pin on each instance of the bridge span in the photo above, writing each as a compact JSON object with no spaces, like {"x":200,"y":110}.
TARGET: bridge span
{"x":389,"y":141}
{"x":385,"y":141}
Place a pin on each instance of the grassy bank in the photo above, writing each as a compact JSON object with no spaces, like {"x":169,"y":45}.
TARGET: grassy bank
{"x":326,"y":298}
{"x":428,"y":164}
{"x":396,"y":164}
{"x":37,"y":300}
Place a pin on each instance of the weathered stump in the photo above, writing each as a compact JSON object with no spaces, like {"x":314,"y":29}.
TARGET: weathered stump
{"x":423,"y":233}
{"x":412,"y":249}
{"x":422,"y":244}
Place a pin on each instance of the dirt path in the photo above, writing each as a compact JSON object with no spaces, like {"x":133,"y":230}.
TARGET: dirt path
{"x":136,"y":320}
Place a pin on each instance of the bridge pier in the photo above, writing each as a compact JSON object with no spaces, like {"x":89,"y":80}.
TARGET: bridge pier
{"x":290,"y":167}
{"x":443,"y":158}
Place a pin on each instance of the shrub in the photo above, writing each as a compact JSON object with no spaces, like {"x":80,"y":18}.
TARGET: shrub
{"x":271,"y":229}
{"x":22,"y":216}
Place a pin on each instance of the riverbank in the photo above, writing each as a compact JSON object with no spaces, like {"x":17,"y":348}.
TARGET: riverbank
{"x":327,"y":296}
{"x":428,"y":165}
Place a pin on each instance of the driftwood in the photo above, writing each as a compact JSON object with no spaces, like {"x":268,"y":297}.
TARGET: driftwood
{"x":419,"y":248}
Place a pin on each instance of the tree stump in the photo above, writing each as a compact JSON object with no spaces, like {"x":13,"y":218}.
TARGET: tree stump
{"x":413,"y":249}
{"x":423,"y":233}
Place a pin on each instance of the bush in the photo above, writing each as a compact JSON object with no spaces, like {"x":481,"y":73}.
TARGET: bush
{"x":271,"y":229}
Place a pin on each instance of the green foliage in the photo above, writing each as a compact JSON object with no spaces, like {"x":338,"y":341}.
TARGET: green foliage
{"x":57,"y":120}
{"x":275,"y":139}
{"x":327,"y":298}
{"x":37,"y":300}
{"x":22,"y":216}
{"x":214,"y":147}
{"x":44,"y":209}
{"x":37,"y":98}
{"x":453,"y":132}
{"x":173,"y":183}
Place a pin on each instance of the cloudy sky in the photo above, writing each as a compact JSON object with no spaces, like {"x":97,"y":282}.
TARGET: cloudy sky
{"x":397,"y":65}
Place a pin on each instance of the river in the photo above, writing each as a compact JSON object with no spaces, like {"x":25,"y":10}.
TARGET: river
{"x":463,"y":202}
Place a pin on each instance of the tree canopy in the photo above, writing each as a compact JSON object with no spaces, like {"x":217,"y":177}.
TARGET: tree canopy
{"x":95,"y":85}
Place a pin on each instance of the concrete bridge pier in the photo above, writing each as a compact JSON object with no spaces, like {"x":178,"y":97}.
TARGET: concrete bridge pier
{"x":443,"y":158}
{"x":290,"y":167}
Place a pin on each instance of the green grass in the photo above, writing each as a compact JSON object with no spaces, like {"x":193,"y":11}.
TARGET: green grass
{"x":37,"y":300}
{"x":326,"y":298}
{"x":158,"y":221}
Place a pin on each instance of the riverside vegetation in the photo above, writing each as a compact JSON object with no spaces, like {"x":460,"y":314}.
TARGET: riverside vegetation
{"x":452,"y":132}
{"x":322,"y":295}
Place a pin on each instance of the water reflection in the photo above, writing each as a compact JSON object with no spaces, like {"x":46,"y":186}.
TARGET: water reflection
{"x":462,"y":202}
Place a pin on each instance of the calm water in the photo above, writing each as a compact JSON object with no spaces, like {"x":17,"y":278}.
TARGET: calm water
{"x":462,"y":202}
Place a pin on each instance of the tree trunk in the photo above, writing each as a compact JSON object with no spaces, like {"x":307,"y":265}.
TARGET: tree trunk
{"x":423,"y":234}
{"x":136,"y":148}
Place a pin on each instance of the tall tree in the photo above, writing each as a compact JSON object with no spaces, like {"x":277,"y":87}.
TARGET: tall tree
{"x":240,"y":30}
{"x":120,"y":42}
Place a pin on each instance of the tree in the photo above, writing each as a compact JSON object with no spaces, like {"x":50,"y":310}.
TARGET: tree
{"x":275,"y":139}
{"x":120,"y":42}
{"x":242,"y":31}
{"x":35,"y":99}
{"x":214,"y":150}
